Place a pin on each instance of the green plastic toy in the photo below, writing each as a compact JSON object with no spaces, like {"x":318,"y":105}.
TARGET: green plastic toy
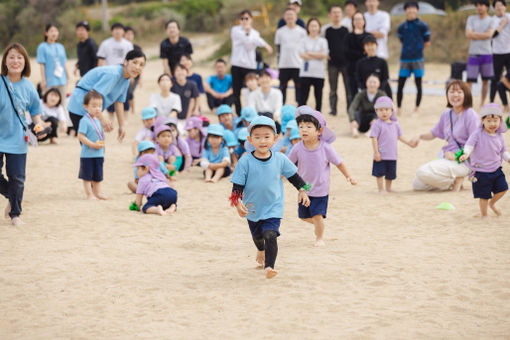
{"x":134,"y":207}
{"x":445,"y":206}
{"x":307,"y":187}
{"x":508,"y":122}
{"x":459,"y":153}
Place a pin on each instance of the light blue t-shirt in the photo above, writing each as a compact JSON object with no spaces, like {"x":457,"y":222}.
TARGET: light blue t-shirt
{"x":107,"y":80}
{"x":87,"y":128}
{"x":54,"y":58}
{"x":12,"y":135}
{"x":216,"y":158}
{"x":220,"y":85}
{"x":263,"y":186}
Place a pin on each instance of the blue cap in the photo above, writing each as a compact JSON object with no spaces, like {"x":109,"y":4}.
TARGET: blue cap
{"x":288,"y":114}
{"x":224,"y":108}
{"x":145,"y":145}
{"x":292,"y":125}
{"x":262,"y":120}
{"x":215,"y":129}
{"x":230,"y":138}
{"x":294,"y":134}
{"x":248,"y":113}
{"x":149,"y":112}
{"x":243,"y":134}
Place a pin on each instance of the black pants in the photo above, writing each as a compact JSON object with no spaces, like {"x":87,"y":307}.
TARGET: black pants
{"x":285,"y":75}
{"x":318,"y":85}
{"x":500,"y":61}
{"x":400,"y":91}
{"x":238,"y":74}
{"x":352,"y":83}
{"x":364,"y":120}
{"x":333,"y":73}
{"x":269,"y":244}
{"x":12,"y":189}
{"x":215,"y":102}
{"x":502,"y":89}
{"x":75,"y":119}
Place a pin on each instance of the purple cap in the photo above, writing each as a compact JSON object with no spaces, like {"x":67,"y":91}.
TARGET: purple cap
{"x":327,"y":135}
{"x":385,"y":102}
{"x":491,"y":109}
{"x":193,"y":122}
{"x":152,"y":162}
{"x":160,"y":128}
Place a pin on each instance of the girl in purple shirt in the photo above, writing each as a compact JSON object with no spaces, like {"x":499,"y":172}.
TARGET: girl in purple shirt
{"x":485,"y":149}
{"x":165,"y":149}
{"x":385,"y":134}
{"x":196,"y":138}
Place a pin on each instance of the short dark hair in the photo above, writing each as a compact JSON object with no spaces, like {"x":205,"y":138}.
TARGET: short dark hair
{"x":50,"y":90}
{"x":117,"y":25}
{"x":249,"y":76}
{"x":369,"y":39}
{"x":264,"y":73}
{"x":260,"y":126}
{"x":308,"y":119}
{"x":411,"y":4}
{"x":482,"y":2}
{"x":136,"y":53}
{"x":172,"y":21}
{"x":350,"y":2}
{"x":84,"y":24}
{"x":18,"y":47}
{"x":164,"y":75}
{"x":468,"y":98}
{"x":310,"y":21}
{"x":220,"y":60}
{"x":289,"y":9}
{"x":245,"y":11}
{"x":334,"y":6}
{"x":129,"y":28}
{"x":503,"y":2}
{"x":179,"y":65}
{"x":92,"y":94}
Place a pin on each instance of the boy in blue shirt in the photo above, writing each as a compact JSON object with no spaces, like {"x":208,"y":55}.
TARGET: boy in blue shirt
{"x":257,"y":180}
{"x":91,"y":137}
{"x":415,"y":36}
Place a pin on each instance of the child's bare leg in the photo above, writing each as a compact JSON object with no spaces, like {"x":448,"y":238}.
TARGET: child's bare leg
{"x":457,"y":184}
{"x":483,"y":207}
{"x":309,"y":220}
{"x":132,"y":186}
{"x":87,"y":185}
{"x":318,"y":222}
{"x":171,"y":209}
{"x":388,"y":185}
{"x":96,"y":189}
{"x":217,"y":176}
{"x":157,"y":210}
{"x":492,"y":202}
{"x":380,"y":187}
{"x":208,"y":175}
{"x":7,"y":210}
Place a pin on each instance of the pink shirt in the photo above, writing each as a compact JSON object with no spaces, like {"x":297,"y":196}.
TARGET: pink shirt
{"x":148,"y":185}
{"x":487,"y":152}
{"x":313,"y":165}
{"x":387,"y":135}
{"x":463,"y":126}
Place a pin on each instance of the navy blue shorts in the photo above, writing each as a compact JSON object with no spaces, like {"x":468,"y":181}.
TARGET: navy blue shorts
{"x":258,"y":228}
{"x":388,"y":169}
{"x":164,"y":197}
{"x":91,"y":169}
{"x":488,"y":183}
{"x":318,"y":206}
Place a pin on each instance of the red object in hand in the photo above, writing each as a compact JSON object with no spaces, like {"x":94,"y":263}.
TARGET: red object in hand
{"x":26,"y":138}
{"x":234,"y":198}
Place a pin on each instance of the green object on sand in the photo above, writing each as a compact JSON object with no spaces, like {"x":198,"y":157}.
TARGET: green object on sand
{"x":508,"y":122}
{"x":134,"y":207}
{"x":445,"y":206}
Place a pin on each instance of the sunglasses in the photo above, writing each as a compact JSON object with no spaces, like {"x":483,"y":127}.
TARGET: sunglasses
{"x":244,"y":18}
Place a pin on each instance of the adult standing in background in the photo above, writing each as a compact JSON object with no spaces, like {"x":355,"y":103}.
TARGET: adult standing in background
{"x":52,"y":58}
{"x":296,"y":6}
{"x":350,"y":7}
{"x":86,"y":49}
{"x":378,"y":24}
{"x":288,"y":40}
{"x":113,"y":50}
{"x":335,"y":35}
{"x":245,"y":39}
{"x":17,"y":95}
{"x":173,"y":47}
{"x":500,"y":44}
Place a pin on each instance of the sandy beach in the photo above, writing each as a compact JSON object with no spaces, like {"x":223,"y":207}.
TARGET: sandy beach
{"x":394,"y":267}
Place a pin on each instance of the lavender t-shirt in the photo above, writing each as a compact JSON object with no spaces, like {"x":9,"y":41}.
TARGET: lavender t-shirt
{"x":487,"y":152}
{"x":171,"y":151}
{"x":464,"y":125}
{"x":313,"y":165}
{"x":387,"y":135}
{"x":195,"y":147}
{"x":148,"y":185}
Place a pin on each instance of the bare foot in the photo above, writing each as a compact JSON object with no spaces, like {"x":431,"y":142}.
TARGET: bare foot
{"x":101,"y":196}
{"x":53,"y":141}
{"x":355,"y":133}
{"x":160,"y":211}
{"x":171,"y":209}
{"x":7,"y":210}
{"x":416,"y":109}
{"x":208,"y":180}
{"x":92,"y":198}
{"x":215,"y":180}
{"x":261,"y":258}
{"x":399,"y":111}
{"x":457,"y":184}
{"x":16,"y":221}
{"x":270,"y":273}
{"x":496,"y":210}
{"x":319,"y":243}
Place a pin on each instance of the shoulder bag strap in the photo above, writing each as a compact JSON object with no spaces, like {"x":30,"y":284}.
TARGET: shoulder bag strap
{"x":451,"y":130}
{"x":14,"y":106}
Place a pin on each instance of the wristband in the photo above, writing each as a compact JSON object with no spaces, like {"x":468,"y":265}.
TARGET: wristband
{"x":307,"y":187}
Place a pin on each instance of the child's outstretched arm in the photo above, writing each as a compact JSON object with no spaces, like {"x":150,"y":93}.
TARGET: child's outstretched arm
{"x":300,"y":184}
{"x":343,"y":170}
{"x":412,"y":143}
{"x":235,"y":200}
{"x":138,"y":200}
{"x":375,"y":146}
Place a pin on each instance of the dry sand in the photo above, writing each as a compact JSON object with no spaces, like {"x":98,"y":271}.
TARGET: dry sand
{"x":393,"y":266}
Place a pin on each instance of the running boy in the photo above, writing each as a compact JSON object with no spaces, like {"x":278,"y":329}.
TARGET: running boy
{"x":91,"y":137}
{"x":313,"y":155}
{"x":257,"y":180}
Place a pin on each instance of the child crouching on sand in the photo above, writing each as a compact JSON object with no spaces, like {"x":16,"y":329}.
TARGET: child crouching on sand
{"x":161,"y":198}
{"x":485,"y":149}
{"x":166,"y":150}
{"x":257,"y":181}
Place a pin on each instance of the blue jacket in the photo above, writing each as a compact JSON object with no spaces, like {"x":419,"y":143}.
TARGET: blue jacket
{"x":413,"y":35}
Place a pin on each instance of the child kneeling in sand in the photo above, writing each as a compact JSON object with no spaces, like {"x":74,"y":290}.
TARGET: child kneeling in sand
{"x":485,"y":149}
{"x":313,"y":155}
{"x":257,"y":180}
{"x":152,"y":183}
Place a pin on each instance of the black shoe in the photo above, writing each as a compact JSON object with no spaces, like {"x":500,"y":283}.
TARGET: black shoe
{"x":332,"y":113}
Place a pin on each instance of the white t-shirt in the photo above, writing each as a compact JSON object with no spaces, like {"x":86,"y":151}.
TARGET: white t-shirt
{"x":501,"y":44}
{"x":144,"y":134}
{"x":270,"y":102}
{"x":165,"y":106}
{"x":245,"y":94}
{"x":289,"y":40}
{"x":316,"y":68}
{"x":56,"y":112}
{"x":379,"y":21}
{"x":346,"y":22}
{"x":243,"y":47}
{"x":114,"y":52}
{"x":475,"y":24}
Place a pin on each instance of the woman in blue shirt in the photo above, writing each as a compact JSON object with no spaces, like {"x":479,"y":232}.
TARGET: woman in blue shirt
{"x":17,"y":95}
{"x":112,"y":83}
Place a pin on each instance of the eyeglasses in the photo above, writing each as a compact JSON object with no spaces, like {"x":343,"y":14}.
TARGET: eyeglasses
{"x":244,"y":18}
